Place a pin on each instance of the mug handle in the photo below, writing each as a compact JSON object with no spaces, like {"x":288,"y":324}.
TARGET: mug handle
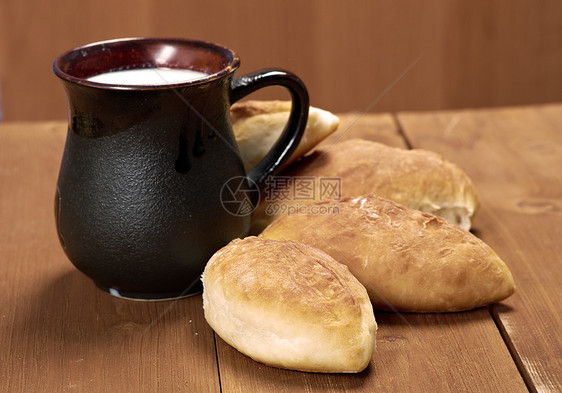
{"x":289,"y":139}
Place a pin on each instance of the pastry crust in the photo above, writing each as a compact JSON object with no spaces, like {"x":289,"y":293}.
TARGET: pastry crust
{"x":406,"y":259}
{"x":418,"y":179}
{"x":289,"y":305}
{"x":258,"y":124}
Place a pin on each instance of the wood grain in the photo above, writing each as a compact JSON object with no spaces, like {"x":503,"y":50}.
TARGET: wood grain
{"x":457,"y":352}
{"x":514,"y":157}
{"x":371,"y":55}
{"x":58,"y":332}
{"x":460,"y":352}
{"x":381,"y":128}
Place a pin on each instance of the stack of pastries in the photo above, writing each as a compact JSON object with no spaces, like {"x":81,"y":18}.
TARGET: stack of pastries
{"x":301,"y":294}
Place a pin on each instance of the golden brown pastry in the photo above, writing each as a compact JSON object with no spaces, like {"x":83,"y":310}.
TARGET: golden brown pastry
{"x":258,"y":124}
{"x":407,"y":260}
{"x":419,"y":179}
{"x":289,"y":305}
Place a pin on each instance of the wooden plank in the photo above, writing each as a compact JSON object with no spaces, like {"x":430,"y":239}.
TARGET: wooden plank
{"x":460,"y":352}
{"x":58,"y":332}
{"x":379,"y":128}
{"x":514,"y":157}
{"x":457,"y":352}
{"x":461,"y":54}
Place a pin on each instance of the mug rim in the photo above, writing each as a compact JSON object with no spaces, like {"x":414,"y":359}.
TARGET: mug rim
{"x":232,"y":62}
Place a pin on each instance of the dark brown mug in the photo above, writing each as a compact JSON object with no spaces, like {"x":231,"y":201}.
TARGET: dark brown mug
{"x":151,"y":181}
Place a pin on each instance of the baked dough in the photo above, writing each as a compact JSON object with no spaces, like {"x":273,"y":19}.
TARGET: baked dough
{"x":406,"y":259}
{"x":258,"y":124}
{"x":289,"y":305}
{"x":419,"y":179}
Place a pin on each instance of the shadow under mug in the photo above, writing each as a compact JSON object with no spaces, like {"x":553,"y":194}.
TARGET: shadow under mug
{"x":150,"y":173}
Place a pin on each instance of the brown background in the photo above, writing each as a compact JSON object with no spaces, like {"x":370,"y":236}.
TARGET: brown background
{"x":353,"y":55}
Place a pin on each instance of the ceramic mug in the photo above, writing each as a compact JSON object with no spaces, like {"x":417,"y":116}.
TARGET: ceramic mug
{"x":138,"y":201}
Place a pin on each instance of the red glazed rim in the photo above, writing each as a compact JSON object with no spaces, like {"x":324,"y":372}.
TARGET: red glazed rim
{"x":78,"y":64}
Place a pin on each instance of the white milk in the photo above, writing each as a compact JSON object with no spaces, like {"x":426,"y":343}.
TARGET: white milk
{"x":147,"y":76}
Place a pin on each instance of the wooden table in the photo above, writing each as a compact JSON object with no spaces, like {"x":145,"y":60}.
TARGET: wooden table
{"x":59,"y":333}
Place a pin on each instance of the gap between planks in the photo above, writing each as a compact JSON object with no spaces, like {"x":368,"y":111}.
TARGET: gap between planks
{"x":494,"y":315}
